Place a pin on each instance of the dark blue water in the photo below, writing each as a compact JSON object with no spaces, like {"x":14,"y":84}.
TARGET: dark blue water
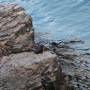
{"x":59,"y":19}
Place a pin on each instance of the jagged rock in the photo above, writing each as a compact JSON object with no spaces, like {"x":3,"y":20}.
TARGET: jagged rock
{"x":16,"y":29}
{"x":22,"y":71}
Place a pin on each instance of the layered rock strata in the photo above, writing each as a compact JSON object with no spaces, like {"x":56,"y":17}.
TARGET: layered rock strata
{"x":16,"y":29}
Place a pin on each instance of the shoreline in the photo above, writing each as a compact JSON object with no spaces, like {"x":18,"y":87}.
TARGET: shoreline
{"x":66,"y":67}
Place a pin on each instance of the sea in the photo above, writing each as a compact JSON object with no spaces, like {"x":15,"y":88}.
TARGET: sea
{"x":59,"y":19}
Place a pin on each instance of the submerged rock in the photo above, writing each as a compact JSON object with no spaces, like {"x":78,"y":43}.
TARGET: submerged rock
{"x":47,"y":83}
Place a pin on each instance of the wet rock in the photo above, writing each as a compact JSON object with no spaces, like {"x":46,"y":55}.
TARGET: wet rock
{"x":47,"y":83}
{"x":73,"y":69}
{"x":54,"y":44}
{"x":39,"y":49}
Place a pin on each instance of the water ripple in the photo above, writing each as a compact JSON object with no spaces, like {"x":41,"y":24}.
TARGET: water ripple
{"x":63,"y":19}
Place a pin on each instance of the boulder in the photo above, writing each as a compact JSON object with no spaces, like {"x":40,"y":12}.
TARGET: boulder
{"x":22,"y":71}
{"x":16,"y":29}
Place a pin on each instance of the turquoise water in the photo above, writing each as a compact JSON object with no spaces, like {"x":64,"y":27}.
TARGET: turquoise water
{"x":59,"y":19}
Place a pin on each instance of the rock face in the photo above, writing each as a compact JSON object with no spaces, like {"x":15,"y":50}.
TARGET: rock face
{"x":22,"y":71}
{"x":16,"y":29}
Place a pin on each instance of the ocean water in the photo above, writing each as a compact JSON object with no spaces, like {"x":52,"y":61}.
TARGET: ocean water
{"x":59,"y":19}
